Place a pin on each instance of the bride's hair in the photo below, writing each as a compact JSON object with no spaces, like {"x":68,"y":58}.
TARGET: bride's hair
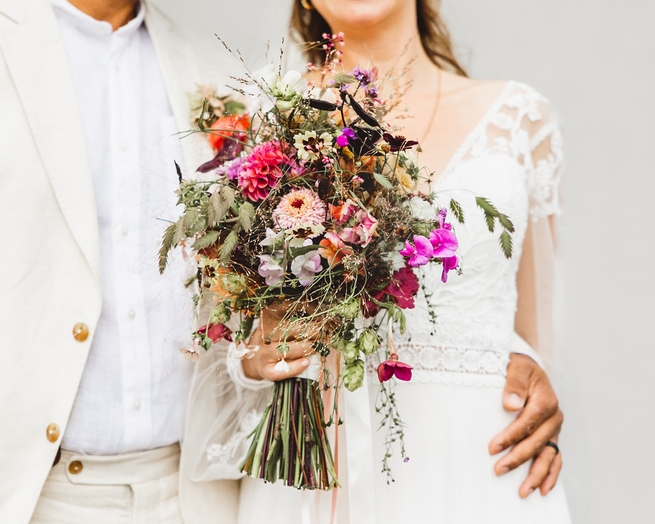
{"x":309,"y":26}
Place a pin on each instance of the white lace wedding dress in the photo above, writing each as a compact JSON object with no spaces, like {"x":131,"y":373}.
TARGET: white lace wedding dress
{"x":453,"y":406}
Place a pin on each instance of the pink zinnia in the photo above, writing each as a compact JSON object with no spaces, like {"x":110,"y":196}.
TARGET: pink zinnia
{"x":300,"y":207}
{"x":261,"y":170}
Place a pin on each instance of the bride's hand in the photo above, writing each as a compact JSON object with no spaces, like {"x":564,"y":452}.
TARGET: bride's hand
{"x":540,"y":421}
{"x":268,"y":337}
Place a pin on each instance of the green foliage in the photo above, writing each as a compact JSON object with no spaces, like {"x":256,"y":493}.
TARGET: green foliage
{"x":457,"y":210}
{"x":228,"y":246}
{"x":491,"y":215}
{"x":206,"y":240}
{"x":383,"y":181}
{"x":246,"y":216}
{"x":219,"y":204}
{"x":166,"y":246}
{"x":506,"y":243}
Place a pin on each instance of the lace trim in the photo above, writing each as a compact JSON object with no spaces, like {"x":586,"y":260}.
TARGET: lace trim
{"x":221,"y":456}
{"x":451,"y":364}
{"x":448,"y":378}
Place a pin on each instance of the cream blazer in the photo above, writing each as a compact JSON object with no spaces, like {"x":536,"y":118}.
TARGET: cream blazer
{"x":50,"y":254}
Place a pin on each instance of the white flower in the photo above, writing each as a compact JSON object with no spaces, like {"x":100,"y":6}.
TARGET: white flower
{"x":272,"y":239}
{"x":422,"y":209}
{"x":290,"y":85}
{"x":306,"y":266}
{"x":268,"y":89}
{"x":271,"y":270}
{"x":310,"y":146}
{"x":282,"y":366}
{"x":326,"y":94}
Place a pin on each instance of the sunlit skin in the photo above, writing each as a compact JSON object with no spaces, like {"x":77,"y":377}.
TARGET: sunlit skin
{"x":384,"y":33}
{"x":116,"y":12}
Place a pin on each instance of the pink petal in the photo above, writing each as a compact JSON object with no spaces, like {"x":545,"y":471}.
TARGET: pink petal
{"x":444,"y":242}
{"x":385,"y":371}
{"x":423,"y":246}
{"x":403,"y":371}
{"x":418,"y":260}
{"x":408,"y":250}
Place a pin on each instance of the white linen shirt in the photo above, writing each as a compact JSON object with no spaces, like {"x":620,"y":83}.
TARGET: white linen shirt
{"x":135,"y":384}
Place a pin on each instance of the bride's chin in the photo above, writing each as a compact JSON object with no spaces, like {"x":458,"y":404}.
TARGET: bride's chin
{"x":356,"y":14}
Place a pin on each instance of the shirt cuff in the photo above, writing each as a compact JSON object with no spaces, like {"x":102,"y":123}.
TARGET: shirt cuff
{"x":520,"y":346}
{"x":235,"y":371}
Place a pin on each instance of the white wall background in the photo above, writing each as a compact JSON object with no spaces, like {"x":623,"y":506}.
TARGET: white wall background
{"x":595,"y":60}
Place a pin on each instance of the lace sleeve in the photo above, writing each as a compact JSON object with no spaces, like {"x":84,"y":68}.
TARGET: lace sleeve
{"x":535,"y":278}
{"x":221,"y":415}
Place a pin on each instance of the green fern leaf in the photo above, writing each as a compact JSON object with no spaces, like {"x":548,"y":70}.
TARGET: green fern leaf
{"x":228,"y":246}
{"x":246,"y":216}
{"x":166,"y":246}
{"x":206,"y":240}
{"x":506,"y":244}
{"x":458,"y":211}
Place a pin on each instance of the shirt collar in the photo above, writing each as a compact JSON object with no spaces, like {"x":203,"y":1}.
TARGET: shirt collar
{"x":89,"y":24}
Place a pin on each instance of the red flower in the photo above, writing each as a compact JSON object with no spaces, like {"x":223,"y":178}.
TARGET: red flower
{"x":227,"y":127}
{"x":393,"y":367}
{"x":216,"y":332}
{"x":403,"y":288}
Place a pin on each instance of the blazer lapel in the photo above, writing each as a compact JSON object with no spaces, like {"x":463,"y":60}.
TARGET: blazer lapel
{"x":181,"y":72}
{"x":37,"y":62}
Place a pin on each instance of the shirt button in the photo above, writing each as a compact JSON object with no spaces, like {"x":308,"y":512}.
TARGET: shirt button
{"x":137,"y":405}
{"x":131,"y":313}
{"x":124,"y":231}
{"x":80,"y":332}
{"x":52,"y":432}
{"x":75,"y":467}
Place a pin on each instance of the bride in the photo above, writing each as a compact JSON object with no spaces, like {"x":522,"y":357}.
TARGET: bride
{"x":488,"y":138}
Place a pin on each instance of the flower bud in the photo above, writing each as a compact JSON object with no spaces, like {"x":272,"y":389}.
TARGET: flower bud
{"x":350,"y":352}
{"x":353,"y":376}
{"x":368,"y":342}
{"x":350,"y":309}
{"x":220,"y":314}
{"x":234,"y":284}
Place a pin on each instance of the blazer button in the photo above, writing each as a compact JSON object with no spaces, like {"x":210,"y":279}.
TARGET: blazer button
{"x":52,"y":432}
{"x":75,"y":467}
{"x":80,"y":332}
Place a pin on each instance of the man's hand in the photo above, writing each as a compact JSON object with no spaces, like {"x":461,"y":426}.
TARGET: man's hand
{"x":540,"y":420}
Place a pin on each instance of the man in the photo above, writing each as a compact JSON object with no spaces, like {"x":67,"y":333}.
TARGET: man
{"x":92,"y":386}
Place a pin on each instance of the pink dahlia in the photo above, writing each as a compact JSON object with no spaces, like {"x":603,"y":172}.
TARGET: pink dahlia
{"x":300,"y":207}
{"x":261,"y":170}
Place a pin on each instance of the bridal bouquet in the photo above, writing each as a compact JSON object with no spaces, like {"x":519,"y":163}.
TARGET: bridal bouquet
{"x":311,"y":203}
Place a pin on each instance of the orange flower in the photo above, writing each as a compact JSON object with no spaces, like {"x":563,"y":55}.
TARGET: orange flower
{"x":333,"y":248}
{"x":227,"y":127}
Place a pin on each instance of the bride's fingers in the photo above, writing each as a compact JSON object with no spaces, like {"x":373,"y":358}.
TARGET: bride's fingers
{"x":531,"y":446}
{"x":539,"y":471}
{"x":295,"y":367}
{"x":553,"y":475}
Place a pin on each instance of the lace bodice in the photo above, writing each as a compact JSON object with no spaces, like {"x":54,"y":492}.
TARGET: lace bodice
{"x":513,"y":158}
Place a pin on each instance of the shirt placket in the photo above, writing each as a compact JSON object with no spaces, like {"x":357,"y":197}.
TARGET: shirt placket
{"x":127,"y":238}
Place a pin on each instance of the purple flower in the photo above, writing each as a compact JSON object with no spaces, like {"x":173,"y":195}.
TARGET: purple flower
{"x":449,"y":264}
{"x":344,"y":138}
{"x":420,"y":253}
{"x":306,"y":266}
{"x":271,"y":270}
{"x":444,"y":242}
{"x":364,"y":76}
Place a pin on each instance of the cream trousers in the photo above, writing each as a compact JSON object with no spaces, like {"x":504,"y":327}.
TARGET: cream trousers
{"x":135,"y":488}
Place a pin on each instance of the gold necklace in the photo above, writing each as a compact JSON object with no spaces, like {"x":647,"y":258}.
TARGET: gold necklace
{"x":435,"y":110}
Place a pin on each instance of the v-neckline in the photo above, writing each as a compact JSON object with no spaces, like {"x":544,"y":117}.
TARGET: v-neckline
{"x":468,"y":141}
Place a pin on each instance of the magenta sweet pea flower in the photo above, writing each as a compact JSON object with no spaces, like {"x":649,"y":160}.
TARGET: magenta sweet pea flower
{"x":345,"y":137}
{"x":449,"y":264}
{"x":444,"y":243}
{"x":403,"y":287}
{"x":393,"y":367}
{"x":420,"y":253}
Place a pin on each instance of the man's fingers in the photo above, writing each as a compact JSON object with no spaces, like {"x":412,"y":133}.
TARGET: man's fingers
{"x":550,"y":481}
{"x":530,"y":446}
{"x":538,"y":471}
{"x":536,"y":412}
{"x":518,"y":382}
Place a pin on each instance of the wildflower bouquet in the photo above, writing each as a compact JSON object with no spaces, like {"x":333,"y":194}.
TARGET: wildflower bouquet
{"x":311,"y":202}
